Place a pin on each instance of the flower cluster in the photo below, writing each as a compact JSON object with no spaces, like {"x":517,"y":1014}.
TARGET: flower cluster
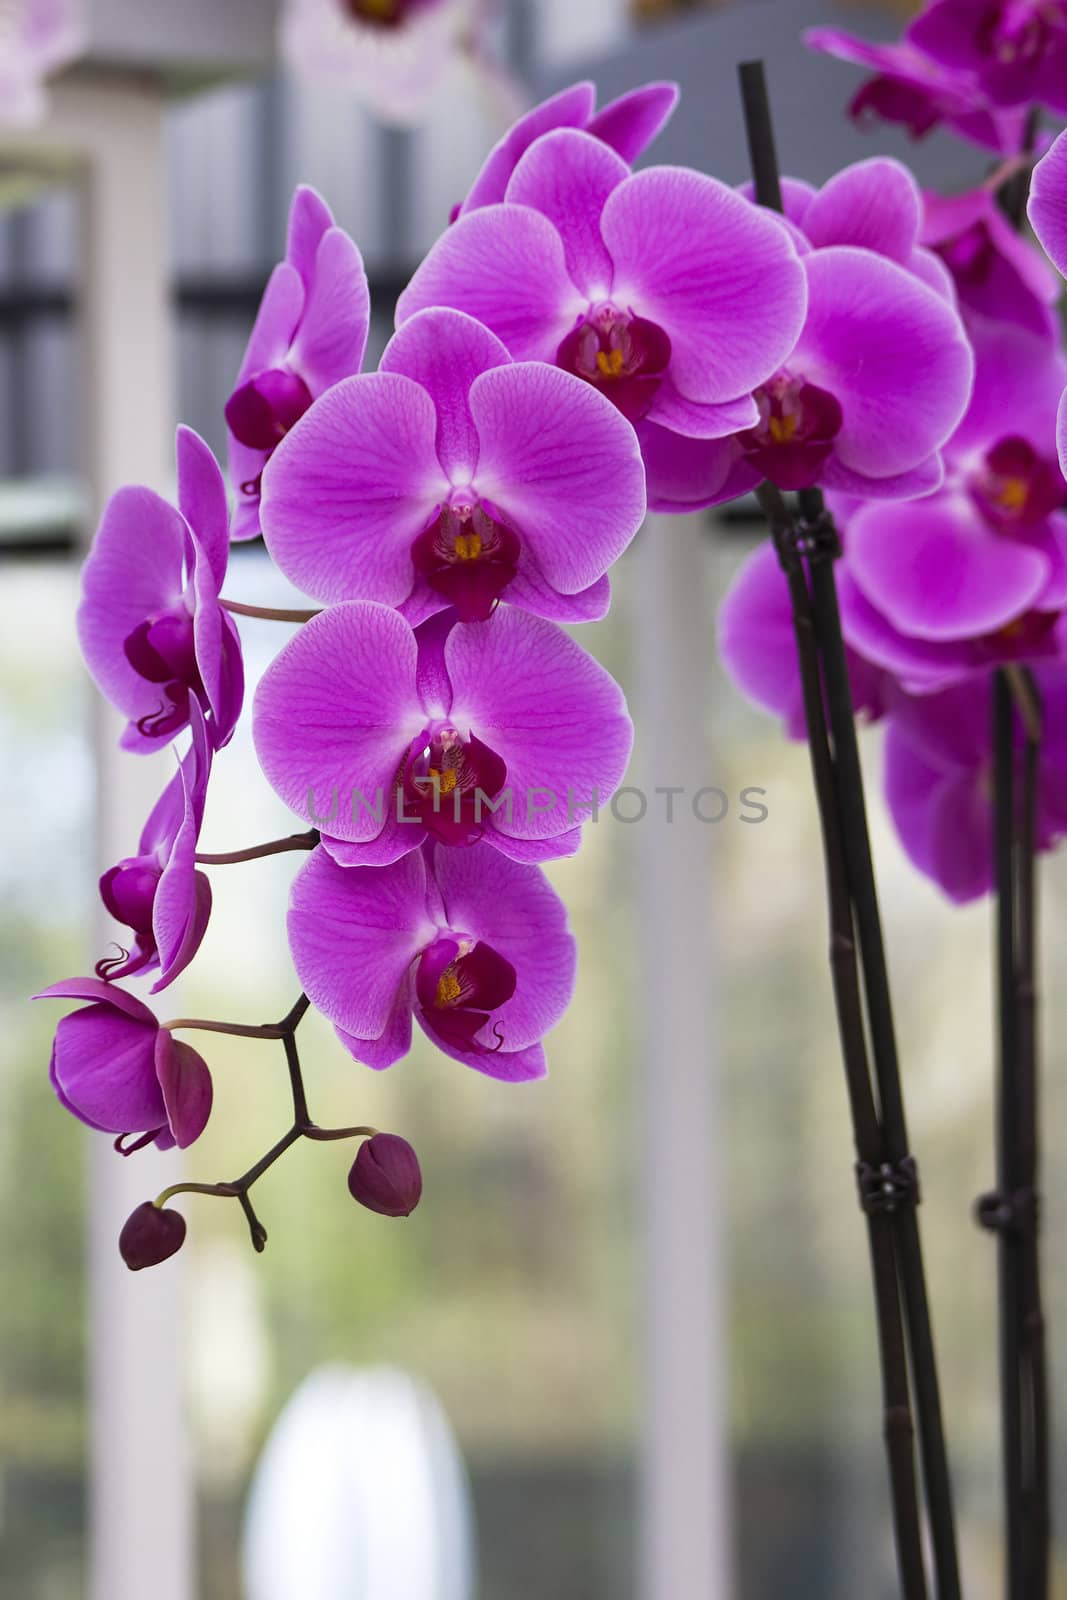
{"x":583,"y":339}
{"x":971,"y":573}
{"x":975,"y":66}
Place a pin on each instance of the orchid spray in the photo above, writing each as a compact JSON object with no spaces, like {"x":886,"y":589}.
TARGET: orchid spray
{"x":582,"y":341}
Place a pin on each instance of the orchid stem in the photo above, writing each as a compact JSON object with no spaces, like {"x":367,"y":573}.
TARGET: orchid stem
{"x":268,"y":613}
{"x":302,"y":1125}
{"x":269,"y":1030}
{"x":275,"y":847}
{"x":864,"y":891}
{"x":1014,"y":1210}
{"x":888,"y":1184}
{"x":898,"y":1428}
{"x":246,"y":1030}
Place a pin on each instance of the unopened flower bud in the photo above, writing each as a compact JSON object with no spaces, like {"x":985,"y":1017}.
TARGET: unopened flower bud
{"x":149,"y":1235}
{"x":385,"y":1176}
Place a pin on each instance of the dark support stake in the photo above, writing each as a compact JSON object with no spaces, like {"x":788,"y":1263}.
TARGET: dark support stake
{"x":890,"y":1176}
{"x":1013,"y":1210}
{"x":881,"y":1195}
{"x":936,"y":1474}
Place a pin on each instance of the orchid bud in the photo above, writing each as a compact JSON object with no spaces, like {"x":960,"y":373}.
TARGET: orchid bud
{"x":385,"y":1176}
{"x":149,"y":1235}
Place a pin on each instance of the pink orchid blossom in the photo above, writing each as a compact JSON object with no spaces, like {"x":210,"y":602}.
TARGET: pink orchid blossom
{"x":311,"y":331}
{"x":912,"y":89}
{"x":874,"y":386}
{"x":662,"y":289}
{"x":628,"y":125}
{"x":1014,"y":51}
{"x":939,"y":780}
{"x":471,"y":944}
{"x":455,"y":476}
{"x":504,"y":730}
{"x":997,"y":272}
{"x":984,"y":561}
{"x":152,"y":630}
{"x":115,"y":1068}
{"x":158,"y":893}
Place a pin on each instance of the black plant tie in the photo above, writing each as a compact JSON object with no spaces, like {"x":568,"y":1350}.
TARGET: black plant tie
{"x":888,"y":1187}
{"x":818,"y":538}
{"x":1008,"y":1213}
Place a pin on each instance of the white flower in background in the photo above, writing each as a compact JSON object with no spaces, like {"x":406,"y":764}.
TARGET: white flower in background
{"x":36,"y":38}
{"x":392,"y":53}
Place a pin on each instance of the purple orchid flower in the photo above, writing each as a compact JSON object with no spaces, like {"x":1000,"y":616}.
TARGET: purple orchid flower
{"x":505,"y":730}
{"x":910,"y":88}
{"x":662,"y":289}
{"x":628,"y":125}
{"x":37,"y":37}
{"x":977,"y":560}
{"x":393,"y":53}
{"x":924,"y":666}
{"x":453,"y":476}
{"x":758,"y":648}
{"x":474,"y":945}
{"x":152,"y":630}
{"x":997,"y":273}
{"x":1048,"y":203}
{"x":876,"y":383}
{"x":116,"y":1070}
{"x":158,"y":893}
{"x":1048,"y":216}
{"x":939,"y":780}
{"x":1014,"y":50}
{"x":874,"y":205}
{"x":311,"y":331}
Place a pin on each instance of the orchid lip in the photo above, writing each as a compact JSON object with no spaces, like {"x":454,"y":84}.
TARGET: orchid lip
{"x":468,"y":554}
{"x":795,"y":435}
{"x":459,"y":983}
{"x":447,"y":779}
{"x":623,"y":355}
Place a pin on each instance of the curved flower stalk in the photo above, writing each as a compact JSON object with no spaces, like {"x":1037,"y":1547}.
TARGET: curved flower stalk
{"x":37,"y":38}
{"x":393,"y":54}
{"x":152,"y":630}
{"x":311,"y":331}
{"x":504,"y":730}
{"x":452,"y":477}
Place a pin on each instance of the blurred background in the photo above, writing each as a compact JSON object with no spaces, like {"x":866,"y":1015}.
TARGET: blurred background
{"x":627,"y":1339}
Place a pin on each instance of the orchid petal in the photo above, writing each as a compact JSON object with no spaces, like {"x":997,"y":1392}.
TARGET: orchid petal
{"x":351,"y":486}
